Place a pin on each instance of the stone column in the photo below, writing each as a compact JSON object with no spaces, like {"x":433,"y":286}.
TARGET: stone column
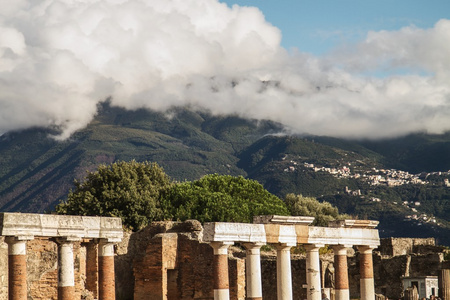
{"x":444,"y":284}
{"x":106,"y":275}
{"x":367,"y":284}
{"x":220,"y":270}
{"x":92,"y":267}
{"x":314,"y":289}
{"x":341,"y":272}
{"x":66,"y":276}
{"x":284,"y":275}
{"x":17,"y":267}
{"x":253,"y":271}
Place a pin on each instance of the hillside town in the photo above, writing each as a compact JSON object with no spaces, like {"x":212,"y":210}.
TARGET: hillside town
{"x":373,"y":176}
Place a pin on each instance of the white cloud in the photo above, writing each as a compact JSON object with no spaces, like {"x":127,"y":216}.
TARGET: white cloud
{"x":59,"y":58}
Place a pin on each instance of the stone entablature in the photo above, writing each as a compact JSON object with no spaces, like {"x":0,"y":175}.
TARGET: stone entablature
{"x":292,"y":234}
{"x":19,"y":228}
{"x":284,"y":233}
{"x":42,"y":225}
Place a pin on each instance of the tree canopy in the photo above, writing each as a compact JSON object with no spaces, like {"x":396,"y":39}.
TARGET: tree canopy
{"x":129,"y":190}
{"x":140,"y":193}
{"x":221,"y":198}
{"x":323,"y":212}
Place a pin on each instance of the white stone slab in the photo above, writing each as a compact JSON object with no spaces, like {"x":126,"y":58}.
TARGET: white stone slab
{"x":24,"y":224}
{"x":237,"y":232}
{"x":343,"y":236}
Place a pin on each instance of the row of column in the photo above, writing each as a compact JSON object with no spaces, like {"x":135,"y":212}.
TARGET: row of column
{"x":17,"y":269}
{"x":284,"y":279}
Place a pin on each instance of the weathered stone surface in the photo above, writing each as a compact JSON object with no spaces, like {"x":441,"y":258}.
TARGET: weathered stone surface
{"x":402,"y":246}
{"x":275,"y":232}
{"x":19,"y":224}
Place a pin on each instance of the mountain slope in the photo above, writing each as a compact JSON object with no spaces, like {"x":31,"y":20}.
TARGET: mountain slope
{"x":37,"y":171}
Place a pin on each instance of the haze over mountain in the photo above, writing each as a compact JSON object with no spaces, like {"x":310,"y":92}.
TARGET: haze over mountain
{"x":60,"y":59}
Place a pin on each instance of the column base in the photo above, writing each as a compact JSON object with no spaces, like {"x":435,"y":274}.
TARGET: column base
{"x":253,"y":298}
{"x":66,"y":292}
{"x":221,"y":294}
{"x":342,"y":294}
{"x":367,"y":289}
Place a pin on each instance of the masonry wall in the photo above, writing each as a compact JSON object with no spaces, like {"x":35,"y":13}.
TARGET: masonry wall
{"x":42,"y":270}
{"x":403,"y":246}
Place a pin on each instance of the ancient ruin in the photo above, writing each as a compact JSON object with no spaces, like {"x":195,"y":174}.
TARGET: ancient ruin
{"x":276,"y":257}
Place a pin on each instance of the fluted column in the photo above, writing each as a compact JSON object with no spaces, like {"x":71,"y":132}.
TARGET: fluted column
{"x":220,"y":270}
{"x":314,"y":288}
{"x":284,"y":275}
{"x":444,"y":284}
{"x":367,"y":284}
{"x":66,"y":275}
{"x":106,"y":275}
{"x":17,"y":267}
{"x":341,"y":272}
{"x":253,"y":271}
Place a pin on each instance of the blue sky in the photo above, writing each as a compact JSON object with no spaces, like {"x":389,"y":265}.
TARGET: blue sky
{"x":316,"y":26}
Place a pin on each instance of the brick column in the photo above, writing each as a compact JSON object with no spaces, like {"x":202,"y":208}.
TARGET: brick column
{"x":220,"y":270}
{"x":367,"y":284}
{"x":253,"y":271}
{"x":341,"y":272}
{"x":314,"y":289}
{"x":17,"y":267}
{"x":66,"y":276}
{"x":106,"y":275}
{"x":444,"y":283}
{"x":92,"y":267}
{"x":284,"y":275}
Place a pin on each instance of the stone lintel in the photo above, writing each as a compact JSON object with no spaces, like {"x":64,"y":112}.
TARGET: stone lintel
{"x":284,"y":220}
{"x":42,"y":225}
{"x":368,"y":224}
{"x":281,"y":234}
{"x":238,"y":232}
{"x":343,"y":236}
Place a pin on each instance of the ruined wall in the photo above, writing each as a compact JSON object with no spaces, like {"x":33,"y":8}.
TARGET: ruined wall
{"x":403,"y":246}
{"x":42,"y":270}
{"x":176,"y":265}
{"x":140,"y":256}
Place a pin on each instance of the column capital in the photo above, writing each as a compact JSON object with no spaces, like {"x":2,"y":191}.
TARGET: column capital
{"x":366,"y":249}
{"x":220,"y":247}
{"x":66,"y":239}
{"x":313,"y":247}
{"x":282,"y":246}
{"x":341,"y":249}
{"x":106,"y":248}
{"x":251,"y":247}
{"x":18,"y":238}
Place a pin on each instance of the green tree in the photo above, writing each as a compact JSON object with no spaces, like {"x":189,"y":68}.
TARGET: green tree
{"x":129,"y":190}
{"x":221,"y":198}
{"x":323,"y":212}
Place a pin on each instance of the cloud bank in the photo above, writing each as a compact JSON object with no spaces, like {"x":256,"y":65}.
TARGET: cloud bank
{"x":60,"y":58}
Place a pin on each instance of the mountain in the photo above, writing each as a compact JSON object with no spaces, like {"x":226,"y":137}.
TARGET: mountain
{"x":36,"y":171}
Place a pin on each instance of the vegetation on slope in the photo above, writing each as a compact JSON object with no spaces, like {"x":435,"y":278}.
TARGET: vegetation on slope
{"x":36,"y":171}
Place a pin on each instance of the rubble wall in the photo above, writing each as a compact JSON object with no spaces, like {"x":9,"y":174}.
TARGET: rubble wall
{"x":402,"y":246}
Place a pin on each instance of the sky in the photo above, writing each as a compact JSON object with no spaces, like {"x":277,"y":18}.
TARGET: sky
{"x":348,"y":69}
{"x":316,"y":26}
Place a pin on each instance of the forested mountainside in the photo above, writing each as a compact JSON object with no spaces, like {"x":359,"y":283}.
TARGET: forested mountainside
{"x":402,"y":182}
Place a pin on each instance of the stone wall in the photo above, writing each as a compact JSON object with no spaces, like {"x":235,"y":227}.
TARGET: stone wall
{"x":402,"y":246}
{"x":42,"y":270}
